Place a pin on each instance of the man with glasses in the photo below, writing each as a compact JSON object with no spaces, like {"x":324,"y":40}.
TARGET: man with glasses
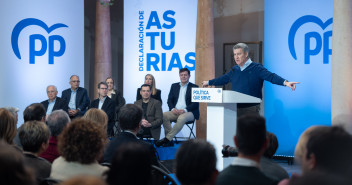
{"x":54,"y":102}
{"x":107,"y":105}
{"x":76,"y":97}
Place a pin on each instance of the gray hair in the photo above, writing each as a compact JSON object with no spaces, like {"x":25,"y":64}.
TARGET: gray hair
{"x":242,"y":46}
{"x":51,"y":86}
{"x":57,"y":121}
{"x":13,"y":111}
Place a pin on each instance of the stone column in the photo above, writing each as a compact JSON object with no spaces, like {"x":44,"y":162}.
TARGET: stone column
{"x":205,"y":67}
{"x":341,"y":74}
{"x":102,"y":63}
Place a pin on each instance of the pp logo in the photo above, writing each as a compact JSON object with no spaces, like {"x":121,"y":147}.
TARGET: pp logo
{"x":321,"y":41}
{"x":44,"y":44}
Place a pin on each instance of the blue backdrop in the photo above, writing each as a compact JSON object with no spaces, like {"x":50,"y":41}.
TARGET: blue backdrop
{"x":297,"y":46}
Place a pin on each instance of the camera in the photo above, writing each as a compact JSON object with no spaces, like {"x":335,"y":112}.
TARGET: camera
{"x":228,"y":151}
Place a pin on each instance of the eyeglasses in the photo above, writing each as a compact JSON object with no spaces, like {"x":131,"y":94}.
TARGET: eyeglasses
{"x":75,"y":81}
{"x":103,"y":88}
{"x":50,"y":92}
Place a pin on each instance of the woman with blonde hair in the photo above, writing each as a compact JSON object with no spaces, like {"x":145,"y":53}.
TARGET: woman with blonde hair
{"x":97,"y":115}
{"x":155,"y":93}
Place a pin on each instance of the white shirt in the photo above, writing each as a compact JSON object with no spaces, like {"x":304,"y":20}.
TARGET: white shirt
{"x":50,"y":106}
{"x":239,"y":161}
{"x":181,"y":102}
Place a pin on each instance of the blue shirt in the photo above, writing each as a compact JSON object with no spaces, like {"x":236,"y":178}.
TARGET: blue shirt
{"x":245,"y":65}
{"x":50,"y":106}
{"x":101,"y":102}
{"x":72,"y":103}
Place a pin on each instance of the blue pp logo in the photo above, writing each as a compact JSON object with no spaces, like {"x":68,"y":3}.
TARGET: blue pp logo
{"x":45,"y":45}
{"x":321,"y":41}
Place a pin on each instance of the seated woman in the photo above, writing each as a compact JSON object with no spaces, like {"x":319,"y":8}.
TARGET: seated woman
{"x":80,"y":144}
{"x":156,"y":93}
{"x":115,"y":95}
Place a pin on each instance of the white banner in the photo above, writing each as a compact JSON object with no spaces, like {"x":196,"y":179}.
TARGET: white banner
{"x":42,"y":43}
{"x":159,"y":39}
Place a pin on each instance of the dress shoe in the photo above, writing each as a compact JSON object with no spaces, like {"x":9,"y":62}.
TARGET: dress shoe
{"x":162,"y":142}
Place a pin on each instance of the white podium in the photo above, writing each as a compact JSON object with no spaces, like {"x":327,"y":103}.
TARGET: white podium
{"x":222,"y":118}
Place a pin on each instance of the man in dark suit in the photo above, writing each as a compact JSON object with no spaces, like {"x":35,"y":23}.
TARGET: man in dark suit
{"x":251,"y":142}
{"x":181,"y":108}
{"x":54,"y":102}
{"x":107,"y":105}
{"x":76,"y":97}
{"x":152,"y":113}
{"x":130,"y":123}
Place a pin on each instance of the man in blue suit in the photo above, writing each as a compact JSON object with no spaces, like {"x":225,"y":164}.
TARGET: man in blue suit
{"x":76,"y":97}
{"x":181,"y":108}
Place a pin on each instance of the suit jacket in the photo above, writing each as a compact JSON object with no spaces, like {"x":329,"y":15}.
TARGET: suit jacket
{"x":154,"y":116}
{"x":125,"y":138}
{"x":173,"y":98}
{"x":59,"y":104}
{"x":82,"y":99}
{"x":157,"y":95}
{"x":243,"y":175}
{"x":108,"y":107}
{"x":119,"y":102}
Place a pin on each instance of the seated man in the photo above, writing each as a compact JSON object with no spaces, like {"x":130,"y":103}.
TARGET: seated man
{"x":56,"y":122}
{"x":34,"y":137}
{"x":267,"y":166}
{"x":251,"y":142}
{"x":130,"y":123}
{"x":181,"y":107}
{"x":107,"y":105}
{"x":196,"y":163}
{"x":54,"y":102}
{"x":152,"y":113}
{"x":76,"y":97}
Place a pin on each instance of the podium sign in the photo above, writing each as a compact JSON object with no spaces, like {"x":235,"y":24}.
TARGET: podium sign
{"x":205,"y":95}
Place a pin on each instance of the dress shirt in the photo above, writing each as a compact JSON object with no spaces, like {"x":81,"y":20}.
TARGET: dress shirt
{"x":181,"y":102}
{"x":239,"y":161}
{"x":245,"y":65}
{"x":50,"y":106}
{"x":72,"y":103}
{"x":101,"y":102}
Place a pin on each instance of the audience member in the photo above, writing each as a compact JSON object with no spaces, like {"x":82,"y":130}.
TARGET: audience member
{"x":107,"y":105}
{"x":320,"y":178}
{"x":196,"y":163}
{"x":267,"y":166}
{"x":130,"y":122}
{"x":115,"y":95}
{"x":98,"y":116}
{"x":329,"y":150}
{"x":34,"y":112}
{"x":251,"y":142}
{"x":80,"y":144}
{"x":12,"y":168}
{"x":76,"y":97}
{"x":84,"y":180}
{"x":8,"y":128}
{"x":14,"y":112}
{"x":56,"y":122}
{"x":129,"y":160}
{"x":34,"y":137}
{"x":155,"y":93}
{"x":181,"y":108}
{"x":54,"y":102}
{"x":152,"y":113}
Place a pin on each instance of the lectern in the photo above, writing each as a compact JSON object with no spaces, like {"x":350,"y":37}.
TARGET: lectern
{"x":221,"y":117}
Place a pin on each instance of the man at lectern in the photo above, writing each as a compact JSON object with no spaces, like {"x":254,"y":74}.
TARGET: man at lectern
{"x":247,"y":77}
